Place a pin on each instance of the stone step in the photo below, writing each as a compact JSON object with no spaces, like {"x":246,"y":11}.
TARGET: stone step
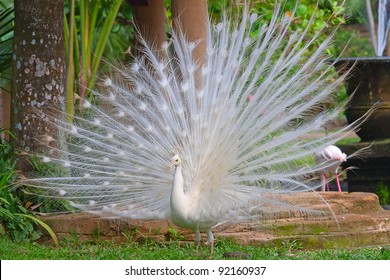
{"x":355,"y":219}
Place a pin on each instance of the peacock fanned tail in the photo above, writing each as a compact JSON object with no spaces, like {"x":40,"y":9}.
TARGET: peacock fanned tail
{"x":239,"y":122}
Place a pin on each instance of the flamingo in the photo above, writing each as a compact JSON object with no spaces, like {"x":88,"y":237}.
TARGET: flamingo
{"x":330,"y":154}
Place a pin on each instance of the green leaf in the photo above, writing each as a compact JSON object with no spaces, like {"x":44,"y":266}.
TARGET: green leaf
{"x":103,"y":36}
{"x":4,"y":200}
{"x":4,"y":213}
{"x":84,"y":36}
{"x":43,"y":224}
{"x":301,"y":9}
{"x":70,"y":76}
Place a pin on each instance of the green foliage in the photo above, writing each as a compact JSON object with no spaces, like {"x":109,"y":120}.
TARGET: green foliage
{"x":323,"y":17}
{"x":356,"y":11}
{"x":173,"y":234}
{"x":382,"y":191}
{"x":6,"y":35}
{"x":327,"y":14}
{"x":178,"y":250}
{"x":353,"y":39}
{"x":15,"y":219}
{"x":121,"y":35}
{"x":347,"y":141}
{"x":349,"y":43}
{"x":18,"y":227}
{"x":7,"y":162}
{"x":320,"y":18}
{"x":88,"y":25}
{"x":291,"y":246}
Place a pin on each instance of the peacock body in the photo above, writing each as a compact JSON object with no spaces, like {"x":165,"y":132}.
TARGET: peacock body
{"x":167,"y":138}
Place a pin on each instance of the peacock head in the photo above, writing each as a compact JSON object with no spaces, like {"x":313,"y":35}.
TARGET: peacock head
{"x":175,"y":161}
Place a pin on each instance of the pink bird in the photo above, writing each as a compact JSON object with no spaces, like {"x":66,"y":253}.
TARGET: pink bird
{"x":332,"y":157}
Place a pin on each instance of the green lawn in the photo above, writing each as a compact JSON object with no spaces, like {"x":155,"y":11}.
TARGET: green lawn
{"x":178,"y":250}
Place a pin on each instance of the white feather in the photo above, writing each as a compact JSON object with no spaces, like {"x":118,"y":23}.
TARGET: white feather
{"x":383,"y":26}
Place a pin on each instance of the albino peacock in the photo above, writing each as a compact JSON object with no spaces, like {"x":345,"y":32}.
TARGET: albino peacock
{"x":236,"y":139}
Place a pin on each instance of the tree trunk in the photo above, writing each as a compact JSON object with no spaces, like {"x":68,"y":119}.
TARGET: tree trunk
{"x":38,"y":73}
{"x":150,"y":22}
{"x":191,"y":18}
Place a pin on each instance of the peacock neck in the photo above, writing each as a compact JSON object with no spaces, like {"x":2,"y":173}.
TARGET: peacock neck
{"x":177,"y":194}
{"x":180,"y":203}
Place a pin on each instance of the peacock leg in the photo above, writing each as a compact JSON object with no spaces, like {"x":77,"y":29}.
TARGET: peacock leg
{"x":197,"y":239}
{"x":210,"y":240}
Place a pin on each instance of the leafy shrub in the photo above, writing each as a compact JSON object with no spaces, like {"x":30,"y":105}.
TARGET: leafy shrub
{"x":15,"y":219}
{"x":326,"y":14}
{"x":382,"y":191}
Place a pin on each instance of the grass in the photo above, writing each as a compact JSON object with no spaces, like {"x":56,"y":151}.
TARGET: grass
{"x":176,"y":250}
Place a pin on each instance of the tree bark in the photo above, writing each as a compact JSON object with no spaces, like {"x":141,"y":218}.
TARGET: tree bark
{"x":38,"y":73}
{"x":150,"y":22}
{"x":190,"y":17}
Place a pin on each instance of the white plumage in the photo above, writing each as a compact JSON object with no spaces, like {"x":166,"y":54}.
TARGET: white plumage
{"x":186,"y":208}
{"x":240,"y":133}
